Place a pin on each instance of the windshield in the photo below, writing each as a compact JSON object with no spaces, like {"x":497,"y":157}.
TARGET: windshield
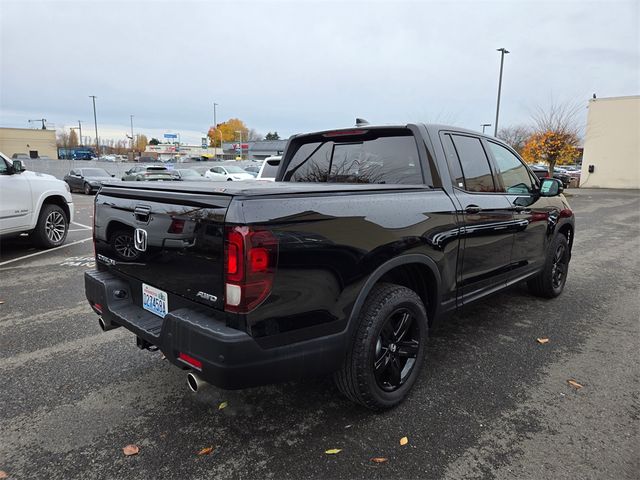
{"x":234,"y":169}
{"x":95,"y":172}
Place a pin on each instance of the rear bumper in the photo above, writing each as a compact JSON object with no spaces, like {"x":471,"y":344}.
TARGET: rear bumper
{"x":230,"y":358}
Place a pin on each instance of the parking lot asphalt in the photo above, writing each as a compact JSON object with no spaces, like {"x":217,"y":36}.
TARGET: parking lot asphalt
{"x":491,"y":403}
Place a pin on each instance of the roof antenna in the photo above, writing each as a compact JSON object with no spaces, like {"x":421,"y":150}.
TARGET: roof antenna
{"x":361,"y":122}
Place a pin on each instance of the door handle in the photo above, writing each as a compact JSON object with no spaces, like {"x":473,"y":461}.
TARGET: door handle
{"x":521,"y":209}
{"x":472,"y":209}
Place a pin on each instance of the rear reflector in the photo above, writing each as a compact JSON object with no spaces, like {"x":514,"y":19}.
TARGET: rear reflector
{"x":189,"y":360}
{"x":97,"y":307}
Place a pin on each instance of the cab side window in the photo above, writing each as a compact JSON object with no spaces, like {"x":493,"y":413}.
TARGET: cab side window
{"x":3,"y":166}
{"x":474,"y":163}
{"x":514,"y":175}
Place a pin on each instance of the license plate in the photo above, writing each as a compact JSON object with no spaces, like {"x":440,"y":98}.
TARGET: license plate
{"x":155,"y":300}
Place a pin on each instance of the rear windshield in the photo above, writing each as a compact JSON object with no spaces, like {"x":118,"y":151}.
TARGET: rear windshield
{"x":95,"y":172}
{"x":234,"y":169}
{"x":157,"y":169}
{"x":385,"y":156}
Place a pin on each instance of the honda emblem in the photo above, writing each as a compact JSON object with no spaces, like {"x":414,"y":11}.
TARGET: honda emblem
{"x":140,"y":240}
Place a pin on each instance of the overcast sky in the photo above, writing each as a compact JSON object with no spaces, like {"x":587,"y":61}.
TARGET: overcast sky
{"x":301,"y":66}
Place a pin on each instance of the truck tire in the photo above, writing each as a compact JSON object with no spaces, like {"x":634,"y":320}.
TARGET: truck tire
{"x":52,"y":227}
{"x":550,"y":282}
{"x":121,"y":242}
{"x":388,"y":349}
{"x":87,"y":189}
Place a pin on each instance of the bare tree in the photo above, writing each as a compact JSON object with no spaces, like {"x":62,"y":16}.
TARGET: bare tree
{"x":254,"y":135}
{"x":558,"y":117}
{"x":516,"y":136}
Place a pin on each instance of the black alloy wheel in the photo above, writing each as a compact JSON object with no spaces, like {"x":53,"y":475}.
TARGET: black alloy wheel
{"x":559,"y":268}
{"x":388,"y":348}
{"x":396,"y":350}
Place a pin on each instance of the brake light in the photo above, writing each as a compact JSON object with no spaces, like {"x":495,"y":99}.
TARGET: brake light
{"x":344,"y":133}
{"x":251,"y":257}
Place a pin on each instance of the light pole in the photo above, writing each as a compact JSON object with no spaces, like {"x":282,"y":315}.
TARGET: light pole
{"x":484,"y":125}
{"x":215,"y":126}
{"x":503,"y":51}
{"x":239,"y":132}
{"x":131,"y":118}
{"x":95,"y":119}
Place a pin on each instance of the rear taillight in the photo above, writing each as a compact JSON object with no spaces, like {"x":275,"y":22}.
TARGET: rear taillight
{"x":177,"y":226}
{"x":251,"y":258}
{"x":93,"y":227}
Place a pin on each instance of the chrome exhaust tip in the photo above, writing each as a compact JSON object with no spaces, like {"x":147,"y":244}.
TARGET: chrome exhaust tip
{"x":194,"y":382}
{"x":105,"y":326}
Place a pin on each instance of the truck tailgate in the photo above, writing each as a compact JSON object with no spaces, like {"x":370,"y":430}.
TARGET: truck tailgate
{"x":171,"y":241}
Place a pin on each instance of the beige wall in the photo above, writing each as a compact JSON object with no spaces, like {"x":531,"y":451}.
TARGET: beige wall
{"x":22,"y":140}
{"x":612,"y":144}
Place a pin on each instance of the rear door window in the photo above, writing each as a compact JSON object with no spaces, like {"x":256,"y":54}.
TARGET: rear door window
{"x":382,"y":158}
{"x":474,"y":163}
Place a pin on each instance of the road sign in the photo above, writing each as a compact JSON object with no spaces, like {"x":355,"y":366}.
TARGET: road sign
{"x":170,"y":135}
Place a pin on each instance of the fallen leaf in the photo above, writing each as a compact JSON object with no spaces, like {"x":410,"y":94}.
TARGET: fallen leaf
{"x":542,"y":340}
{"x":130,"y":450}
{"x":163,"y":357}
{"x":574,"y":384}
{"x":3,"y":474}
{"x":333,"y":451}
{"x":379,"y":460}
{"x":404,"y":441}
{"x":205,"y":451}
{"x":222,"y":405}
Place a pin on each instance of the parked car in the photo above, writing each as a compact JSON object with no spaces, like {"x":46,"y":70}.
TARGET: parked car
{"x":20,"y":156}
{"x":88,"y":180}
{"x":228,"y":173}
{"x":269,"y":168}
{"x":189,"y":174}
{"x":253,"y":170}
{"x":148,"y":172}
{"x":34,"y":203}
{"x":367,"y":239}
{"x":542,"y":171}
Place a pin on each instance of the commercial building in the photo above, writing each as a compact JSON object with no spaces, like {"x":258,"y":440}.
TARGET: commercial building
{"x":35,"y":143}
{"x":612,"y":144}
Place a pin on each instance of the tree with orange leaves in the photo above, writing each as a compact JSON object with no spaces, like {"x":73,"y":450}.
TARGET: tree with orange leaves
{"x":551,"y":147}
{"x":227,"y":132}
{"x":556,"y":136}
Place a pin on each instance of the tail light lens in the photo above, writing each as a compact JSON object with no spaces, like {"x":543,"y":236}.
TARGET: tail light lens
{"x":251,"y":258}
{"x":177,"y":226}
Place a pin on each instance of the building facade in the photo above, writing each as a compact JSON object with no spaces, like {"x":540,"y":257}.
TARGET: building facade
{"x":612,"y":144}
{"x":29,"y":141}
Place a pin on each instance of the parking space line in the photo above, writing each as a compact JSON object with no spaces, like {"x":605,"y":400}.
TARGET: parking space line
{"x":81,"y":225}
{"x":44,"y":251}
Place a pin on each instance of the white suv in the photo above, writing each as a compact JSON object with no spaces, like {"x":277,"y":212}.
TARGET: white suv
{"x":35,"y":203}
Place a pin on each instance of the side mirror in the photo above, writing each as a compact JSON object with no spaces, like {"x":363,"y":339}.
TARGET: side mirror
{"x":551,"y":187}
{"x":17,"y":166}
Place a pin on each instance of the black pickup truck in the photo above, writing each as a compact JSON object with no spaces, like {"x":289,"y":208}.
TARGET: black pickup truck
{"x":368,"y":237}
